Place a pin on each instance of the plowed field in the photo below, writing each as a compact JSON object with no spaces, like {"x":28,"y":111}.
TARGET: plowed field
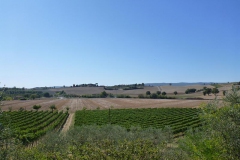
{"x":102,"y":103}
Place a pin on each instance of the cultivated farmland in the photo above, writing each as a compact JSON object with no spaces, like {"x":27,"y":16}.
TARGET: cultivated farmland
{"x":102,"y":103}
{"x":179,"y":119}
{"x":31,"y":125}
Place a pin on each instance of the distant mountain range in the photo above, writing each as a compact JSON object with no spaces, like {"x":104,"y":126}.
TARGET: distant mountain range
{"x":179,"y":84}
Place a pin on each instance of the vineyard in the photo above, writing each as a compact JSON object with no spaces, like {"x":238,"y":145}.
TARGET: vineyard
{"x":29,"y":126}
{"x":179,"y":119}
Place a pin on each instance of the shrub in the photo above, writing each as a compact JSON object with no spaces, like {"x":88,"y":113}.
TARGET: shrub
{"x":164,"y":93}
{"x":154,"y":96}
{"x":158,"y":92}
{"x":191,"y":90}
{"x":148,"y":93}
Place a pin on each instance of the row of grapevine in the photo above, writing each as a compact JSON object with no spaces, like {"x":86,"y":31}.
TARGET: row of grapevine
{"x":179,"y":119}
{"x":29,"y":126}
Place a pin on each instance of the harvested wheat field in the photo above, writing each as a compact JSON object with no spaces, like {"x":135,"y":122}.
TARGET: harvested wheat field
{"x":102,"y":103}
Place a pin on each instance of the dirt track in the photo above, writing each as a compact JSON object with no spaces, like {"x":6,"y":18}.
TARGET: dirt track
{"x":103,"y":103}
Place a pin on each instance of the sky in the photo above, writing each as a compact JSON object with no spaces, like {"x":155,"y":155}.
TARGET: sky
{"x":56,"y":42}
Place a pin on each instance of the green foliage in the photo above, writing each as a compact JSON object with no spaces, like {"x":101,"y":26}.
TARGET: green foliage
{"x":175,"y":92}
{"x":208,"y":90}
{"x":140,"y":96}
{"x":21,"y":109}
{"x":204,"y":93}
{"x":7,"y":98}
{"x":219,"y":137}
{"x":158,"y":92}
{"x":233,"y":96}
{"x":125,"y":87}
{"x":107,"y":142}
{"x":123,"y":96}
{"x":103,"y":94}
{"x":46,"y":94}
{"x":215,"y":91}
{"x":164,"y":93}
{"x":67,"y":108}
{"x":33,"y":96}
{"x":148,"y":93}
{"x":37,"y":107}
{"x":53,"y":107}
{"x":28,"y":126}
{"x":224,"y":93}
{"x":18,"y":93}
{"x":154,"y":96}
{"x":177,"y":118}
{"x":191,"y":90}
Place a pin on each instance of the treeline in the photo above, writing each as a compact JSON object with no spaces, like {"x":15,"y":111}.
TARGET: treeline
{"x":192,"y":90}
{"x":21,"y":94}
{"x":85,"y":85}
{"x":205,"y":90}
{"x":125,"y":87}
{"x":157,"y":95}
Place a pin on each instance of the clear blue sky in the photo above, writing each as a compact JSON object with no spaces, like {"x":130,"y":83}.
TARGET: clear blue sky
{"x":56,"y":42}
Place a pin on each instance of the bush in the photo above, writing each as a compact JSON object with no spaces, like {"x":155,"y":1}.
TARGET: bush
{"x":154,"y":96}
{"x":103,"y":94}
{"x":123,"y":96}
{"x":192,"y":90}
{"x":46,"y":94}
{"x":164,"y":93}
{"x":148,"y":93}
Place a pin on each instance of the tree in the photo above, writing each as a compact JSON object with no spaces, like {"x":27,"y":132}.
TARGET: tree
{"x":233,"y":96}
{"x":191,"y":90}
{"x":208,"y":91}
{"x":53,"y":107}
{"x":164,"y":93}
{"x":46,"y":94}
{"x":148,"y":93}
{"x":170,"y":84}
{"x":154,"y":96}
{"x":26,"y":95}
{"x":37,"y":107}
{"x":158,"y":92}
{"x":140,"y":96}
{"x":103,"y":94}
{"x":67,"y":108}
{"x":224,"y":93}
{"x":204,"y":93}
{"x":33,"y":96}
{"x":215,"y":91}
{"x":175,"y":92}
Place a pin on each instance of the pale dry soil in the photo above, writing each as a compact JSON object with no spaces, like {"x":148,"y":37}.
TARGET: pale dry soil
{"x":102,"y":103}
{"x":134,"y":93}
{"x":68,"y":123}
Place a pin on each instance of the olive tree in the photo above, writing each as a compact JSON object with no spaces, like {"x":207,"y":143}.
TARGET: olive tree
{"x":53,"y":107}
{"x":37,"y":107}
